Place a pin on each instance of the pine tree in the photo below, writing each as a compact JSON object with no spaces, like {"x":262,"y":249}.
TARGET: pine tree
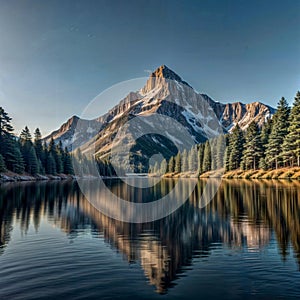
{"x":264,"y":138}
{"x":78,"y":163}
{"x":38,"y":146}
{"x":207,"y":157}
{"x":25,"y":136}
{"x":227,"y":153}
{"x":213,"y":148}
{"x":277,"y":135}
{"x":193,"y":159}
{"x":2,"y":164}
{"x":178,"y":163}
{"x":52,"y":151}
{"x":108,"y":167}
{"x":140,"y":167}
{"x":184,"y":161}
{"x":220,"y":151}
{"x":58,"y":158}
{"x":252,"y":148}
{"x":8,"y":145}
{"x":28,"y":152}
{"x":236,"y":148}
{"x":100,"y":165}
{"x":51,"y":166}
{"x":291,"y":144}
{"x":171,"y":165}
{"x":41,"y":167}
{"x":265,"y":133}
{"x":263,"y":164}
{"x":163,"y":167}
{"x":67,"y":162}
{"x":5,"y":130}
{"x":156,"y":168}
{"x":44,"y":155}
{"x":17,"y":164}
{"x":200,"y":158}
{"x":55,"y":152}
{"x":32,"y":163}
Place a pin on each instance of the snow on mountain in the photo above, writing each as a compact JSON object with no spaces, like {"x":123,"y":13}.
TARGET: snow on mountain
{"x":166,"y":94}
{"x":69,"y":136}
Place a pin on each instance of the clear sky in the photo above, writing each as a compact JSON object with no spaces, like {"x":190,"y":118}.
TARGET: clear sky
{"x":56,"y":56}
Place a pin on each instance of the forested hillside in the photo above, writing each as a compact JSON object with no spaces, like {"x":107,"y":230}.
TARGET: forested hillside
{"x":275,"y":145}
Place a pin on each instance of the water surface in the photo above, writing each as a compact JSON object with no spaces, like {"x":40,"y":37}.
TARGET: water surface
{"x":244,"y":244}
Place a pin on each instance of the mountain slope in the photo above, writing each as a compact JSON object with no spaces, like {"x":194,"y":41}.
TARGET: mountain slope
{"x":69,"y":134}
{"x":167,"y":95}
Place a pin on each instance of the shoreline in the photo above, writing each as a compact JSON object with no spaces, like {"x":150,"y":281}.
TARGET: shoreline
{"x":282,"y":173}
{"x":14,"y":177}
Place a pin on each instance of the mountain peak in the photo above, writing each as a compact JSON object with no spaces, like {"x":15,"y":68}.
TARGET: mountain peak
{"x":164,"y":72}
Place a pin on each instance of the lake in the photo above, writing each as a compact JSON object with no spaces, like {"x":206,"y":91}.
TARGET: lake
{"x":244,"y":244}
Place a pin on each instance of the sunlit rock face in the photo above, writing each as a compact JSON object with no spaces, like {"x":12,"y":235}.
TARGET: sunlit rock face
{"x":244,"y":114}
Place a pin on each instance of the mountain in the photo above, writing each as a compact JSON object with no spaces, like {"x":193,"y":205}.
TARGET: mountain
{"x":244,"y":114}
{"x":67,"y":135}
{"x":165,"y":97}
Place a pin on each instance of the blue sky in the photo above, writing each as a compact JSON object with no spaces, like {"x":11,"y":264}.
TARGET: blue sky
{"x":56,"y":56}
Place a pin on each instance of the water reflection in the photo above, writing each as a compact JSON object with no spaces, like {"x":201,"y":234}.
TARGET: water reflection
{"x":243,"y":215}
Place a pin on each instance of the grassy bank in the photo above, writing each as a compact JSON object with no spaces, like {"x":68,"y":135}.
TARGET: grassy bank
{"x":282,"y":173}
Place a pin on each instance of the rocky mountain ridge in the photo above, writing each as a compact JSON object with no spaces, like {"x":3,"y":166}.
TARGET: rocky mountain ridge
{"x":165,"y":94}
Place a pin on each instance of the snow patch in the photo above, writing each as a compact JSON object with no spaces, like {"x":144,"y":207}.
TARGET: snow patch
{"x":179,"y":86}
{"x":190,"y":118}
{"x":90,"y":130}
{"x":173,"y":138}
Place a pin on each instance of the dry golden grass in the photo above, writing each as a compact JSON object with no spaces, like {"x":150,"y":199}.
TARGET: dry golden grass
{"x":296,"y":174}
{"x":282,"y":173}
{"x":258,"y":174}
{"x":181,"y":175}
{"x":213,"y":174}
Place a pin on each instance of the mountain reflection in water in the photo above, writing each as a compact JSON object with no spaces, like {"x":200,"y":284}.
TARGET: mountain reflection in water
{"x":243,"y":215}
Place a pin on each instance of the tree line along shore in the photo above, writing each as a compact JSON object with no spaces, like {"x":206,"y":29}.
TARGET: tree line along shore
{"x":270,"y":152}
{"x":27,"y":158}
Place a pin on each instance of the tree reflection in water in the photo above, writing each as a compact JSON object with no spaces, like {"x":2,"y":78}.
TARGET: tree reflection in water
{"x":243,"y":214}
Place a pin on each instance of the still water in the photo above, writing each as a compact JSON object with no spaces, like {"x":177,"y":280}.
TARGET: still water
{"x":244,"y":244}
